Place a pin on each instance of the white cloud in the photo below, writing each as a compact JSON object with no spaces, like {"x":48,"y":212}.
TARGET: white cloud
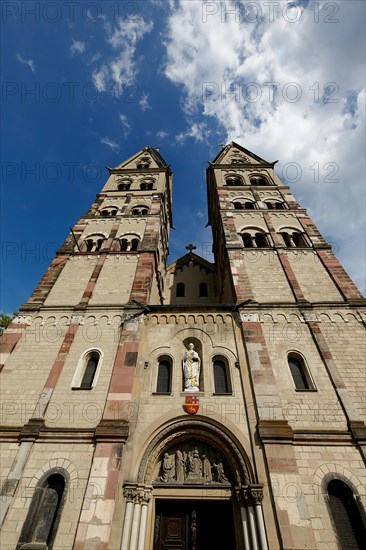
{"x":214,"y":58}
{"x":120,"y":70}
{"x":112,"y":144}
{"x":162,"y":134}
{"x":28,"y":62}
{"x":144,"y":102}
{"x":199,"y":132}
{"x":125,"y":124}
{"x":77,"y":47}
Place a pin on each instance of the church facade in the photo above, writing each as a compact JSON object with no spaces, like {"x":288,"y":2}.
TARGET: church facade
{"x":194,"y":405}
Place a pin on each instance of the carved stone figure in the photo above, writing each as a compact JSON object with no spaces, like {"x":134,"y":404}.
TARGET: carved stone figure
{"x":194,"y":466}
{"x":218,"y":465}
{"x":206,"y":467}
{"x":167,"y":468}
{"x":179,"y":466}
{"x":191,"y":369}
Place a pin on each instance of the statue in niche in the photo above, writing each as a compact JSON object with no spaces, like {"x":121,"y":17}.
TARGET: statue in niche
{"x":219,"y":467}
{"x":191,"y":369}
{"x":167,"y":468}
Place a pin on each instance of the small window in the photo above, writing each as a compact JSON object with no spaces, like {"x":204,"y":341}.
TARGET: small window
{"x":221,"y":377}
{"x":180,"y":291}
{"x":107,"y":212}
{"x":140,"y":211}
{"x":164,"y":377}
{"x":90,"y":371}
{"x":203,"y":290}
{"x":249,"y":205}
{"x":299,"y":373}
{"x":238,"y":206}
{"x":347,"y":520}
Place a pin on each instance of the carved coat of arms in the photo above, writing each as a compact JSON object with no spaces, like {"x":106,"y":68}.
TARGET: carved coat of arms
{"x":192,"y":404}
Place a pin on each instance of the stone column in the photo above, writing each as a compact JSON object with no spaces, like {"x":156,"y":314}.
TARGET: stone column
{"x":145,"y":498}
{"x":135,"y":521}
{"x":257,"y":497}
{"x":129,"y":494}
{"x":244,"y":521}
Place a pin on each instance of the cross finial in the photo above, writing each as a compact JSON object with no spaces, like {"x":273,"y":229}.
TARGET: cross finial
{"x":191,"y":247}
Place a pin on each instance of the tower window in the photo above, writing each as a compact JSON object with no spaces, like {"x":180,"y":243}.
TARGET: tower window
{"x":347,"y":520}
{"x":258,"y":180}
{"x":129,"y":243}
{"x":164,"y":376}
{"x":238,"y":206}
{"x":299,"y":373}
{"x":180,"y":290}
{"x":234,"y":181}
{"x":124,"y":186}
{"x":249,"y":205}
{"x":221,"y":376}
{"x":140,"y":211}
{"x":293,"y":239}
{"x":93,"y":243}
{"x":90,"y":371}
{"x":203,"y":290}
{"x":260,"y":240}
{"x":106,"y":212}
{"x":247,"y":240}
{"x":44,"y":513}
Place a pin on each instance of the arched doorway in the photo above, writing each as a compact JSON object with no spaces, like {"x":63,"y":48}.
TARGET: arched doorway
{"x":195,"y":490}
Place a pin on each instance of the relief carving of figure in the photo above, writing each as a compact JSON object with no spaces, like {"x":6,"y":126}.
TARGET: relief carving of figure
{"x":194,"y":465}
{"x":191,"y":369}
{"x":179,"y":466}
{"x":206,"y":466}
{"x":219,"y":467}
{"x":167,"y":467}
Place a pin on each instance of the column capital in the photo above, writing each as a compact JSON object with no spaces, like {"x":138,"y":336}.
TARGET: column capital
{"x":256,"y":492}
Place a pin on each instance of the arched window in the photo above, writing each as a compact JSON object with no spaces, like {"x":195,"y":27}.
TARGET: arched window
{"x":221,"y":376}
{"x":109,"y":211}
{"x":249,"y":205}
{"x":129,"y":243}
{"x":203,"y":290}
{"x":93,"y":243}
{"x":299,"y":372}
{"x":238,"y":206}
{"x":124,"y":185}
{"x":90,"y":370}
{"x":180,"y":290}
{"x":234,"y":181}
{"x":347,"y":520}
{"x":85,"y":376}
{"x":258,"y":180}
{"x":140,"y":210}
{"x":293,"y":239}
{"x":164,"y":381}
{"x":44,"y":513}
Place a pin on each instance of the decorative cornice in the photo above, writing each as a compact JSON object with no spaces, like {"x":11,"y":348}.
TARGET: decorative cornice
{"x":274,"y":429}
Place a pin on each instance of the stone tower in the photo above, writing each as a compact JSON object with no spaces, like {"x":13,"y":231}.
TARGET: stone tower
{"x":195,"y":405}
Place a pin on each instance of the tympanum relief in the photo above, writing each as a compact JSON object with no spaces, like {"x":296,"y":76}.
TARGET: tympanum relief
{"x":192,"y":462}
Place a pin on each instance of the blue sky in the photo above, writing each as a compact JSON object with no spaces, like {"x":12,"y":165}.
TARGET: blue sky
{"x":87,"y":84}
